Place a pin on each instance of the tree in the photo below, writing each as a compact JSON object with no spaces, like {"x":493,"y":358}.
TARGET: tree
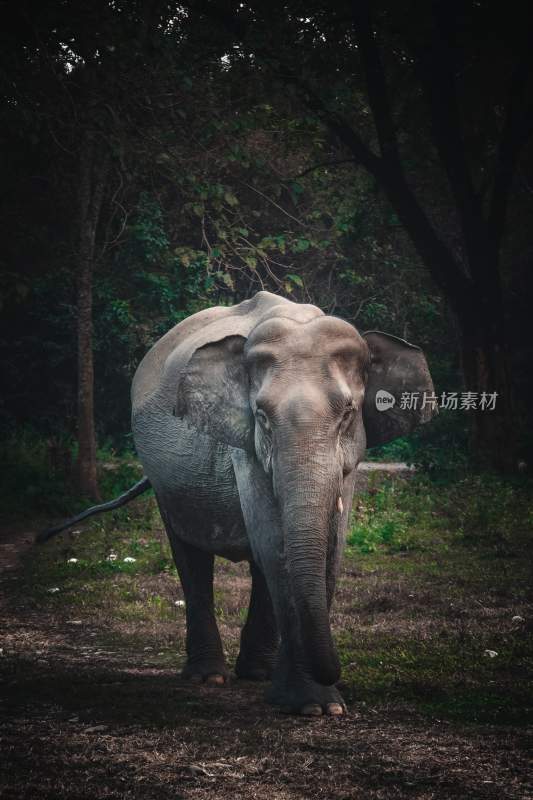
{"x":166,"y":163}
{"x":76,"y":73}
{"x":363,"y":61}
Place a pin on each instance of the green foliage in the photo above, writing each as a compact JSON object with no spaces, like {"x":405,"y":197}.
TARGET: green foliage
{"x":404,"y":514}
{"x":440,"y":447}
{"x":486,"y":511}
{"x":30,"y":483}
{"x":228,"y":189}
{"x":152,"y":286}
{"x":170,"y":282}
{"x":95,"y":569}
{"x":385,"y":518}
{"x":37,"y":475}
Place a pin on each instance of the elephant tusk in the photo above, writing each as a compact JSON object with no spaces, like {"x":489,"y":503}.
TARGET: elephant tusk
{"x":340,"y":506}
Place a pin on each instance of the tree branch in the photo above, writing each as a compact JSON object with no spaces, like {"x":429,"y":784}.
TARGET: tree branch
{"x":387,"y":169}
{"x":322,"y":165}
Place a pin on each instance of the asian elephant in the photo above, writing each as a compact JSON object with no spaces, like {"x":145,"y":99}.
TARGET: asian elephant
{"x":250,"y":422}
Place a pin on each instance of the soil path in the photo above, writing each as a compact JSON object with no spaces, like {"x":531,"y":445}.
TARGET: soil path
{"x":14,"y":541}
{"x":82,"y":721}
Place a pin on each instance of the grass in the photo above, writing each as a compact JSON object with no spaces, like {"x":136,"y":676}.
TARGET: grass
{"x":436,"y":580}
{"x":442,"y":615}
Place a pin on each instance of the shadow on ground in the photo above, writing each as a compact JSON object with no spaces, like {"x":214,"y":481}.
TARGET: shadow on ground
{"x":85,"y":713}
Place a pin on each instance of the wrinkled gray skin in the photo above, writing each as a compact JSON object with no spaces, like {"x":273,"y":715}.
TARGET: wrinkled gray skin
{"x":250,"y":422}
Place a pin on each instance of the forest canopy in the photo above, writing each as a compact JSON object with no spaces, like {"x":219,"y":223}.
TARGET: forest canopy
{"x":372,"y":158}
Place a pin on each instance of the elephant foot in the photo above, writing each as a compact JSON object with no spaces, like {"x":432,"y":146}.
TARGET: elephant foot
{"x":255,"y":668}
{"x":309,"y":699}
{"x":212,"y":674}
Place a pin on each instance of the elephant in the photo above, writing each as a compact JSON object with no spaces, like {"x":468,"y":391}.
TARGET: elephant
{"x":250,"y":421}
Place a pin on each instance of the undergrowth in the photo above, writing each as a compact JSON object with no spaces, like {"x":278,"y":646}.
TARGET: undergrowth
{"x":37,"y":475}
{"x":441,"y":613}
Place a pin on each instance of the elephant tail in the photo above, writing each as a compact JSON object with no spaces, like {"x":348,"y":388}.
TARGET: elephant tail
{"x":141,"y":486}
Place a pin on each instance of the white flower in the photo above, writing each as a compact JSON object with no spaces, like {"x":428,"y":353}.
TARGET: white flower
{"x":179,"y":602}
{"x":72,"y":561}
{"x":518,"y":618}
{"x":54,"y":589}
{"x":490,"y":653}
{"x":129,"y":559}
{"x":112,"y":557}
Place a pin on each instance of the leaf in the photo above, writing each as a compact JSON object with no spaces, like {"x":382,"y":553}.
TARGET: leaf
{"x":301,"y":245}
{"x":280,"y":241}
{"x":296,"y":279}
{"x":251,"y":262}
{"x":230,"y":199}
{"x":228,"y":280}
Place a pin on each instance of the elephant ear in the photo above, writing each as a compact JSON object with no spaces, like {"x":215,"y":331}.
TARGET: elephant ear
{"x":213,"y":392}
{"x":398,"y":391}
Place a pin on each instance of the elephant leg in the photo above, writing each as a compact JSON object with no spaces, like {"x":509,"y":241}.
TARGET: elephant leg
{"x":205,"y":656}
{"x":294,"y":691}
{"x":259,"y":638}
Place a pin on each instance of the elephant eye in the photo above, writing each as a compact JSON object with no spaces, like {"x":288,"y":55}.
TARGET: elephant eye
{"x":348,"y":411}
{"x":262,"y":418}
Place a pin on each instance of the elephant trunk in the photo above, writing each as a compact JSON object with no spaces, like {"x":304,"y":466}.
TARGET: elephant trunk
{"x":308,"y":495}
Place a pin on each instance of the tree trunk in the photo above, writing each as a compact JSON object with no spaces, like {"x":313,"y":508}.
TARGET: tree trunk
{"x":87,"y":478}
{"x":93,"y":172}
{"x":486,"y":370}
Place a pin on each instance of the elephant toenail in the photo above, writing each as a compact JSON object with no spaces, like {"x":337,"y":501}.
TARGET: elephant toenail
{"x":311,"y":710}
{"x":215,"y":680}
{"x":334,"y":709}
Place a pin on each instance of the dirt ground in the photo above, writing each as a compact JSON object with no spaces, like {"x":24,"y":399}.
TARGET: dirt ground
{"x":81,"y":720}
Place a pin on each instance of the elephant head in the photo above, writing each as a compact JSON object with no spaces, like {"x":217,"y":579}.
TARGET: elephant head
{"x":298,"y":393}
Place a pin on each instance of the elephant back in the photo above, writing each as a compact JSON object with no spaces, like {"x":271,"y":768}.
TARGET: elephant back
{"x":157,"y":374}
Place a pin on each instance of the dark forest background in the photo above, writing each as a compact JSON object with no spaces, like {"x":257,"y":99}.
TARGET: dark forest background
{"x":372,"y":158}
